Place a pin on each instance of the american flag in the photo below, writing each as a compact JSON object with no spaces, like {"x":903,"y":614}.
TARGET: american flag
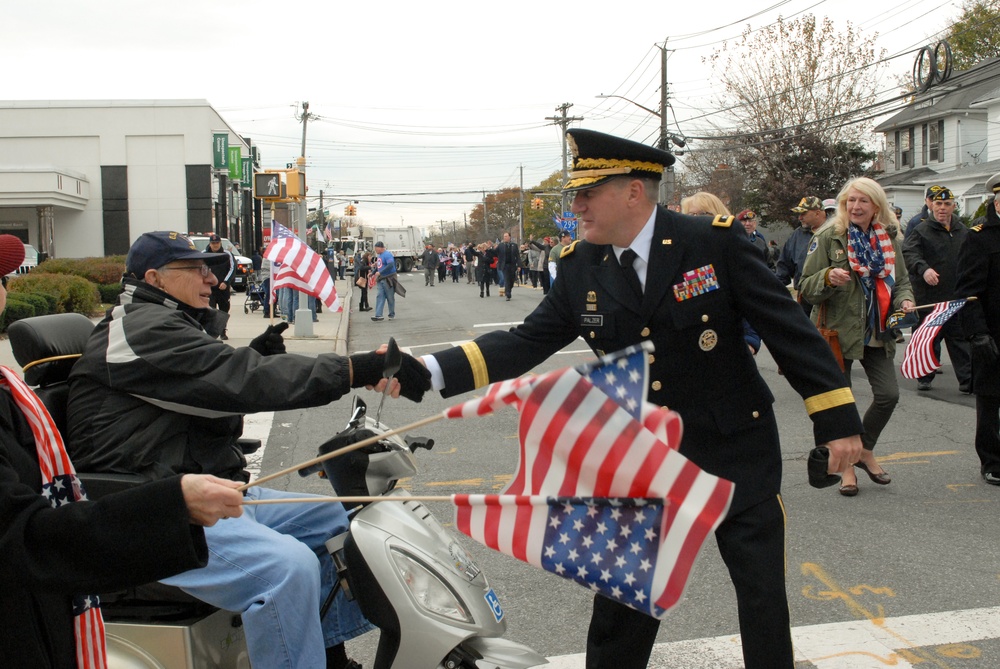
{"x":919,"y":359}
{"x":60,"y":485}
{"x":579,"y":441}
{"x":300,"y":268}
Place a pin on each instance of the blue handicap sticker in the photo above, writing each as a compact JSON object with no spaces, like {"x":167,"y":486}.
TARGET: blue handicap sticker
{"x":494,"y":602}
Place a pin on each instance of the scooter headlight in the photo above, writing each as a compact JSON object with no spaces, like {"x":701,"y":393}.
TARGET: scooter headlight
{"x":430,"y":592}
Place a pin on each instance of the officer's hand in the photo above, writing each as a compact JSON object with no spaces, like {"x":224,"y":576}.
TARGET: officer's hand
{"x":414,"y":378}
{"x":843,"y":453}
{"x":222,"y":285}
{"x":209,"y":498}
{"x":984,"y":350}
{"x":271,"y":342}
{"x":931,"y":277}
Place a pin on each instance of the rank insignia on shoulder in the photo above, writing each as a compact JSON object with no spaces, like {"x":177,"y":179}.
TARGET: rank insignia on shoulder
{"x":977,"y":228}
{"x":569,"y":249}
{"x":721,"y":221}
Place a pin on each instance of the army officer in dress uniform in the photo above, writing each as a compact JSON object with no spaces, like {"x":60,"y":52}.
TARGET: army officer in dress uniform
{"x":689,"y":285}
{"x":979,"y":276}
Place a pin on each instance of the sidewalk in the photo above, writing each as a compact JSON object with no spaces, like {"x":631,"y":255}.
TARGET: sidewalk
{"x":330,"y":333}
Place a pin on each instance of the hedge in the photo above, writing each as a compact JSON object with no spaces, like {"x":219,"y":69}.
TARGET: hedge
{"x":96,"y":270}
{"x":70,"y":293}
{"x":109,"y":292}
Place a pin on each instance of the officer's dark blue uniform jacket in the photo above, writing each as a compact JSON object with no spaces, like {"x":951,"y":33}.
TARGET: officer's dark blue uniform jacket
{"x":701,"y":367}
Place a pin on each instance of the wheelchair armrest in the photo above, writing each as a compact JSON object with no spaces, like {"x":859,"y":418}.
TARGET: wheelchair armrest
{"x":101,"y":484}
{"x":248,"y":446}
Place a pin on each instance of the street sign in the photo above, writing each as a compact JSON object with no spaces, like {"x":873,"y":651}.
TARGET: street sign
{"x":267,"y":186}
{"x":247,"y":171}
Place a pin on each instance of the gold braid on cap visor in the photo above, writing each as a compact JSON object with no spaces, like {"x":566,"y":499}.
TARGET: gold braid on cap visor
{"x":606,"y":167}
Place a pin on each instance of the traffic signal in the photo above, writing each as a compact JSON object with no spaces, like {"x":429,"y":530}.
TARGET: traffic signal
{"x":536,"y":203}
{"x":350,"y":210}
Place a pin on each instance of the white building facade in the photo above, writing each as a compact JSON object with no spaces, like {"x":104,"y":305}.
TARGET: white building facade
{"x":86,"y":178}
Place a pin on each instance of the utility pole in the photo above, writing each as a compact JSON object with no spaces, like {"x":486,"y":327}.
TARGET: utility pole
{"x":303,"y":316}
{"x":520,"y":207}
{"x":562,"y":122}
{"x":668,"y":183}
{"x":486,"y":227}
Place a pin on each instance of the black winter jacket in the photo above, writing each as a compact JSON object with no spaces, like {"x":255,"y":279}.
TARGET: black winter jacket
{"x":157,"y":394}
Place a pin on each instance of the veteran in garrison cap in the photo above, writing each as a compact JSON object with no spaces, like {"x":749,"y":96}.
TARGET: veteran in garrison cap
{"x":639,"y":272}
{"x":979,"y":277}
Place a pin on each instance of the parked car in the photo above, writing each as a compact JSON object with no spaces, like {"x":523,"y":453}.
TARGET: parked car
{"x":30,"y":260}
{"x":244,"y":266}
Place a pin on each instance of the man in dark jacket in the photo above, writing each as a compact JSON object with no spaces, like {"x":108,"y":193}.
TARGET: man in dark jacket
{"x":793,"y":253}
{"x":931,"y":255}
{"x":429,"y":261}
{"x":222,"y":291}
{"x":979,"y":277}
{"x":693,"y":282}
{"x":157,"y":394}
{"x":509,"y":259}
{"x":56,"y":549}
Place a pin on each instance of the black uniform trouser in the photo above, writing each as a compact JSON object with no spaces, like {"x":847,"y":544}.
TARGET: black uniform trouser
{"x":752,"y":544}
{"x":988,"y":433}
{"x":509,"y":277}
{"x":543,"y":276}
{"x":219,"y":299}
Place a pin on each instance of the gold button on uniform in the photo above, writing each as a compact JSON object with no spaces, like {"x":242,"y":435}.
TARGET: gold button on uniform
{"x":652,"y":358}
{"x":644,"y":332}
{"x":704,"y":318}
{"x":592,"y":335}
{"x":656,"y":385}
{"x":756,"y":414}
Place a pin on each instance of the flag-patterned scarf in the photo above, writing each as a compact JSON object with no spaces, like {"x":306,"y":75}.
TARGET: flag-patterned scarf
{"x":873,"y":259}
{"x":60,"y":485}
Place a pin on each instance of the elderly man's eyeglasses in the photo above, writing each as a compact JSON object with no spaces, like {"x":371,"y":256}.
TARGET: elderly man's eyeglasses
{"x":201,"y":269}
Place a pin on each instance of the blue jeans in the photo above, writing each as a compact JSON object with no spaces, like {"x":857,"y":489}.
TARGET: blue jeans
{"x":385,"y":294}
{"x":288,"y":302}
{"x":271,"y":566}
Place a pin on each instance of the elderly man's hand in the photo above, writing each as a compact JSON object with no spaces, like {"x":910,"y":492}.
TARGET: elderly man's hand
{"x":270,"y":342}
{"x":209,"y":498}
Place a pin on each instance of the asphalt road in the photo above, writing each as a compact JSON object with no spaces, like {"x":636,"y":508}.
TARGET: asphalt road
{"x":899,"y":576}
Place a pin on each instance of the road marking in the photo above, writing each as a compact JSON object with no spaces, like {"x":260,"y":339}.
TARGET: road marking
{"x":927,"y":640}
{"x":257,"y":426}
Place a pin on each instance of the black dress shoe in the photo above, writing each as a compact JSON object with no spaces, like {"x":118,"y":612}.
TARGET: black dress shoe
{"x":882,"y":478}
{"x":991,"y":478}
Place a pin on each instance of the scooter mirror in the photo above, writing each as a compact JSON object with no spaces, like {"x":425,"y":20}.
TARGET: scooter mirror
{"x":393,"y":360}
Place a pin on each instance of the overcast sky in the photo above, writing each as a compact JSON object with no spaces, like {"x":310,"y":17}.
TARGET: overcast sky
{"x":420,"y":106}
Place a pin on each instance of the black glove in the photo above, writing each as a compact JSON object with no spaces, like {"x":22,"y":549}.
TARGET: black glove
{"x":819,"y":460}
{"x":271,"y":342}
{"x":414,"y":379}
{"x":984,"y":351}
{"x":366,"y":369}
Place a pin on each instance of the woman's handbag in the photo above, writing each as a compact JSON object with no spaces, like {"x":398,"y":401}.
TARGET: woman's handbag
{"x":361,"y":282}
{"x":831,"y":336}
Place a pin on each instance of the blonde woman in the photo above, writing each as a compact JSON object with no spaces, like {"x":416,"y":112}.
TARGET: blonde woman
{"x":854,"y":273}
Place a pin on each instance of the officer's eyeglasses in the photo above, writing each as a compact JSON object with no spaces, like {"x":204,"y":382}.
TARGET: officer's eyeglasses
{"x":201,"y":269}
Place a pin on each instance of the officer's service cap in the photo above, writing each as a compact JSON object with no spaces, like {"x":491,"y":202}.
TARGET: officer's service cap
{"x":598,"y":158}
{"x":993,"y":183}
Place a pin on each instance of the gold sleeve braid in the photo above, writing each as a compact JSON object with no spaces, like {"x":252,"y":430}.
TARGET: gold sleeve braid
{"x":829,"y":400}
{"x":480,"y":375}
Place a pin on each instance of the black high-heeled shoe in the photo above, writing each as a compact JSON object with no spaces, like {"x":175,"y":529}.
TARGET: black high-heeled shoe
{"x":882,"y":478}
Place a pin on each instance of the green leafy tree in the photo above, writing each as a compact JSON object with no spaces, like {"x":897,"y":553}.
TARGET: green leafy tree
{"x":973,"y":37}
